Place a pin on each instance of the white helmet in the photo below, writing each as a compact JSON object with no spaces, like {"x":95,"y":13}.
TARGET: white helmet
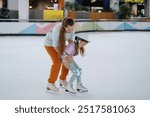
{"x":83,"y":37}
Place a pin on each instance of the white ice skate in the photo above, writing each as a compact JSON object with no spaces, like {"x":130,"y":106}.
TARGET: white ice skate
{"x":69,"y":88}
{"x":51,"y":88}
{"x":63,"y":83}
{"x":81,"y":88}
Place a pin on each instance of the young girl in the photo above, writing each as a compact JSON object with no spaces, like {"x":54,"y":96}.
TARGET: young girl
{"x":71,"y":50}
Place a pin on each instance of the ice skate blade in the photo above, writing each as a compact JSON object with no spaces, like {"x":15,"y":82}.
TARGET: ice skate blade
{"x":48,"y":90}
{"x":80,"y":91}
{"x":70,"y":92}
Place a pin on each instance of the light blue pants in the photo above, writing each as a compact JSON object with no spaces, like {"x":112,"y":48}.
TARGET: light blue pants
{"x":76,"y":72}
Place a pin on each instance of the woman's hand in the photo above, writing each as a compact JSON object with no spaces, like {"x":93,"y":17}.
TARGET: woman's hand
{"x":67,"y":61}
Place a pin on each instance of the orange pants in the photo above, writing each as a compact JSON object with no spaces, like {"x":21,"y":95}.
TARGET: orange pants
{"x":55,"y":68}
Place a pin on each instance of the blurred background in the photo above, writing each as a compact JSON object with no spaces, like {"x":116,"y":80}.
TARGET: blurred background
{"x":39,"y":16}
{"x":78,"y":9}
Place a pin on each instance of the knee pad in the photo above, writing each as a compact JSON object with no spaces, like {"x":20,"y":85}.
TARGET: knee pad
{"x":77,"y":73}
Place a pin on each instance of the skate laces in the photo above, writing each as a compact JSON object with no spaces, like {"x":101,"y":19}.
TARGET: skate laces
{"x":63,"y":82}
{"x":70,"y":88}
{"x":82,"y":85}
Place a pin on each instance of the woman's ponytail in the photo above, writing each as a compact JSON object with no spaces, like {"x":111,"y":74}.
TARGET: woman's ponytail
{"x":62,"y":37}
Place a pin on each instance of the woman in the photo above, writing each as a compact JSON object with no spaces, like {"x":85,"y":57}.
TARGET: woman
{"x":55,"y":42}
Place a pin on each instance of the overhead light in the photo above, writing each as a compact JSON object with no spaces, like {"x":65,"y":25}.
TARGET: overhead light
{"x":92,"y":1}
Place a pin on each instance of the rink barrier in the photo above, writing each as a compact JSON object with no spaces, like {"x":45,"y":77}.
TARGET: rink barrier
{"x":41,"y":28}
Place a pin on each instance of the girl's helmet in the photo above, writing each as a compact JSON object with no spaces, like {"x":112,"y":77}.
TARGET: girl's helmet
{"x":81,"y":38}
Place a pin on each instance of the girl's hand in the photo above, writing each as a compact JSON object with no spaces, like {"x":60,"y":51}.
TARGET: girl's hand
{"x":68,"y":59}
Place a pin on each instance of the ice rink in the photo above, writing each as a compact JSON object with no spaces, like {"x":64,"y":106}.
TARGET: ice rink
{"x":116,"y":67}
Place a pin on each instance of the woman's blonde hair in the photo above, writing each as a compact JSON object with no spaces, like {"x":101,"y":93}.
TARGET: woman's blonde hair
{"x":62,"y":37}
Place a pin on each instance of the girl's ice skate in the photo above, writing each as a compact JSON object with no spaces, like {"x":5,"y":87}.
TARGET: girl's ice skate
{"x":51,"y":88}
{"x":81,"y":88}
{"x":63,"y":83}
{"x":69,"y":88}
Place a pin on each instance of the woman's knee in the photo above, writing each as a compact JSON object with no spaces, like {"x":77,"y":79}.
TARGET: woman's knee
{"x":57,"y":63}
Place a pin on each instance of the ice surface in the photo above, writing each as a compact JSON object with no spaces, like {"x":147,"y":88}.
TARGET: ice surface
{"x":116,"y":67}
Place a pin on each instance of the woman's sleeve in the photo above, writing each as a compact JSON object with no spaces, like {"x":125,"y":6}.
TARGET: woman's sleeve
{"x":72,"y":36}
{"x":49,"y":35}
{"x":55,"y":35}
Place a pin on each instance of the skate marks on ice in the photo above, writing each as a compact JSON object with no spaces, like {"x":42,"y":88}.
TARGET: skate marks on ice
{"x":63,"y":95}
{"x":116,"y":66}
